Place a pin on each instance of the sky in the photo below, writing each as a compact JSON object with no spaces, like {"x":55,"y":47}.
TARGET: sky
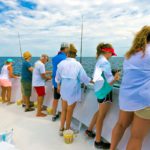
{"x":44,"y":24}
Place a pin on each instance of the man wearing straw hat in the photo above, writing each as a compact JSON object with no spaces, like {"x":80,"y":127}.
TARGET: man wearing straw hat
{"x":26,"y":80}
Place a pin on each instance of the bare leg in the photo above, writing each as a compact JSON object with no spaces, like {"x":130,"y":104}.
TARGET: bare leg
{"x":103,"y":109}
{"x":39,"y":106}
{"x":63,"y":114}
{"x":70,"y":110}
{"x":27,"y":101}
{"x":139,"y":130}
{"x":8,"y":94}
{"x":125,"y":119}
{"x":4,"y":93}
{"x":23,"y":99}
{"x":55,"y":105}
{"x":93,"y":122}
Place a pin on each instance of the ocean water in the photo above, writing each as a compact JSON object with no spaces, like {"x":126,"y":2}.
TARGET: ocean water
{"x":87,"y":62}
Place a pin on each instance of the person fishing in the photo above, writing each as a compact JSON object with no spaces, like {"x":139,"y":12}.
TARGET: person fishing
{"x":5,"y":80}
{"x":103,"y":80}
{"x":134,"y":96}
{"x":38,"y":82}
{"x":26,"y":80}
{"x":55,"y":61}
{"x":70,"y":74}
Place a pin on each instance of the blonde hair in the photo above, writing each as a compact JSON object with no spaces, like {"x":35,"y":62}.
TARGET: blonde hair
{"x":99,"y":48}
{"x":139,"y":42}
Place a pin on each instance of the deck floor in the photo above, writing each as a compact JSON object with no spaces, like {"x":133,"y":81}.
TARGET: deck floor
{"x":32,"y":133}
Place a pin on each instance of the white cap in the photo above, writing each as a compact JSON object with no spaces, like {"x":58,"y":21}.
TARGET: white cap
{"x":64,"y":45}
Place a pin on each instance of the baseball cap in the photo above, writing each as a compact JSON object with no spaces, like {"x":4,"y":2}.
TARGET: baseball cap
{"x":64,"y":45}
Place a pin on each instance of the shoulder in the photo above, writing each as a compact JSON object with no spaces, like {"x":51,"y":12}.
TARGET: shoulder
{"x":9,"y":67}
{"x":27,"y":63}
{"x":78,"y":63}
{"x":55,"y":57}
{"x":62,"y":63}
{"x":39,"y":63}
{"x":101,"y":62}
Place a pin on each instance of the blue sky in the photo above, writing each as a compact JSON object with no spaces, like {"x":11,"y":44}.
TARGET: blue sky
{"x":44,"y":24}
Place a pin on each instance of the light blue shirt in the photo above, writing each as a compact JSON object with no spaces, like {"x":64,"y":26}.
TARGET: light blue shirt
{"x":135,"y":87}
{"x":71,"y":74}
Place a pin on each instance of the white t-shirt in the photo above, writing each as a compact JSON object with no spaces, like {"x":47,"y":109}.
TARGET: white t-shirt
{"x":37,"y":79}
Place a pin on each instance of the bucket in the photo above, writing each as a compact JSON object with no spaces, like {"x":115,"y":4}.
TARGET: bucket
{"x":35,"y":104}
{"x":68,"y":136}
{"x":49,"y":111}
{"x":19,"y":102}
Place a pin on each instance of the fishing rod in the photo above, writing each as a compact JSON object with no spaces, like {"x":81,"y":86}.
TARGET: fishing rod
{"x":81,"y":39}
{"x":20,"y":46}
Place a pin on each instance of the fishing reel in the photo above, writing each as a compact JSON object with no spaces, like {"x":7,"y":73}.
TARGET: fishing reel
{"x":114,"y":71}
{"x":84,"y":87}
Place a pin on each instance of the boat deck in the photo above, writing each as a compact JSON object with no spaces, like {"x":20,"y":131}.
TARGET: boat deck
{"x":32,"y":133}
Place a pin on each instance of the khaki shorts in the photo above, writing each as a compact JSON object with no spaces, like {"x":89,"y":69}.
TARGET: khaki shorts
{"x":26,"y":88}
{"x":144,"y":113}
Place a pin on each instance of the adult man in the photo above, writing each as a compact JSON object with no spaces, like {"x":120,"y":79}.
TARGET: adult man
{"x":55,"y":61}
{"x":26,"y":80}
{"x":38,"y":82}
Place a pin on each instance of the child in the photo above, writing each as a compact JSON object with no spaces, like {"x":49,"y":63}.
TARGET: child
{"x":103,"y":80}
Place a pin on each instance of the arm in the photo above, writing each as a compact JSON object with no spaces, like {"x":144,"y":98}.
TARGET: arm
{"x":58,"y":80}
{"x":58,"y":77}
{"x":43,"y":73}
{"x":116,"y":78}
{"x":48,"y":72}
{"x":83,"y":76}
{"x":11,"y":75}
{"x":30,"y":69}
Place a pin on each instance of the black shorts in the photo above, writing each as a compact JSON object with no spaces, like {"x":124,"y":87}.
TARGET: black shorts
{"x":56,"y":94}
{"x":107,"y":99}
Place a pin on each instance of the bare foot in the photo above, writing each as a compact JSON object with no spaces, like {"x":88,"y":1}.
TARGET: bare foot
{"x":10,"y":103}
{"x":41,"y":115}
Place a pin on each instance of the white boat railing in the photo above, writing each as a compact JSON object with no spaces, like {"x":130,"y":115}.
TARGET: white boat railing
{"x":84,"y":110}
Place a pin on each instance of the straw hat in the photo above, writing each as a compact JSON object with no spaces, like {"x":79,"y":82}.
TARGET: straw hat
{"x":72,"y":48}
{"x":26,"y":55}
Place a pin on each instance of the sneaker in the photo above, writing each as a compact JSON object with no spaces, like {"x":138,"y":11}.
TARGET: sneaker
{"x":90,"y":134}
{"x":23,"y":105}
{"x":101,"y":145}
{"x":54,"y":118}
{"x":29,"y":109}
{"x":61,"y":132}
{"x":31,"y":104}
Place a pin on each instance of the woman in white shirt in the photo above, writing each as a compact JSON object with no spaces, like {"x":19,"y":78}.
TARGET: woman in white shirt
{"x":70,"y":74}
{"x":134,"y":96}
{"x":5,"y":80}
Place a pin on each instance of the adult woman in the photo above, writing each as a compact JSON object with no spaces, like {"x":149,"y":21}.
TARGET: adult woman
{"x":5,"y":80}
{"x":69,"y":76}
{"x":134,"y":97}
{"x":104,"y":80}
